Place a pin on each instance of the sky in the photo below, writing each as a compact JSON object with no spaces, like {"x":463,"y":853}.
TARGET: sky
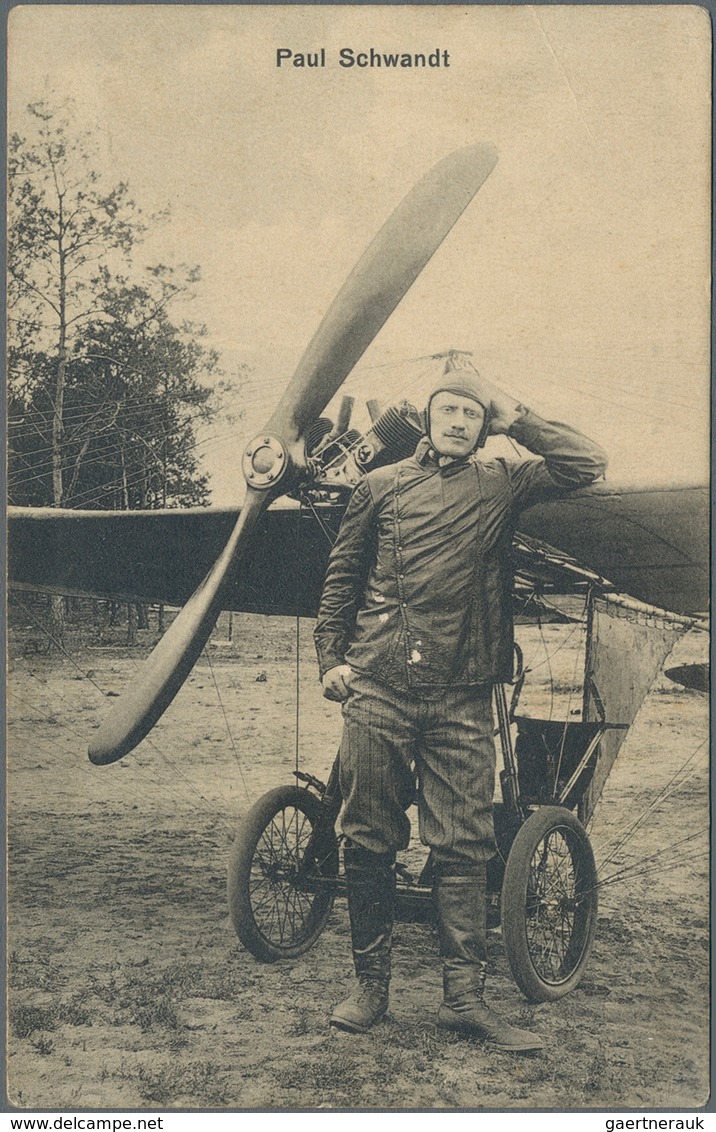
{"x":579,"y":277}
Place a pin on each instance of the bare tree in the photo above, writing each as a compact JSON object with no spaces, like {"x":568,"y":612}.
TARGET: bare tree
{"x":64,"y":226}
{"x":105,"y":389}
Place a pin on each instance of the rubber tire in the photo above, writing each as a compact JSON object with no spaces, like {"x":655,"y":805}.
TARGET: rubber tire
{"x":521,"y":953}
{"x":279,"y":938}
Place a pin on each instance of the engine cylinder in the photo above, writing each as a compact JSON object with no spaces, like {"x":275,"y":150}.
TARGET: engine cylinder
{"x":399,"y":429}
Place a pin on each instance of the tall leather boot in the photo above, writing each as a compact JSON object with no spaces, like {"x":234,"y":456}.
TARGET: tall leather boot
{"x":370,"y":879}
{"x":460,"y":908}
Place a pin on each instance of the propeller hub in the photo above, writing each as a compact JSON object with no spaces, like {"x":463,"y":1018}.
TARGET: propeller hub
{"x":265,"y":462}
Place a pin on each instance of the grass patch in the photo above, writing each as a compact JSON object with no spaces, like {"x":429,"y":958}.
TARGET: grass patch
{"x":44,"y":1046}
{"x":203,"y":1081}
{"x":600,"y":1077}
{"x":145,"y":1000}
{"x":300,"y":1024}
{"x":326,"y":1070}
{"x":40,"y":975}
{"x":27,"y":1020}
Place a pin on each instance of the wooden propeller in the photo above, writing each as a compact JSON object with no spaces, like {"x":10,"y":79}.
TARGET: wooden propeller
{"x":383,"y":274}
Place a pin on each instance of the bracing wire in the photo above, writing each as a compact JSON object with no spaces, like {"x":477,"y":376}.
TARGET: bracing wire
{"x":148,"y":739}
{"x":205,"y":653}
{"x":574,"y":683}
{"x":670,"y":788}
{"x":129,"y":791}
{"x":647,"y":865}
{"x":548,"y":661}
{"x":96,"y":493}
{"x":297,"y":718}
{"x":59,"y":645}
{"x":577,"y":628}
{"x":325,"y":529}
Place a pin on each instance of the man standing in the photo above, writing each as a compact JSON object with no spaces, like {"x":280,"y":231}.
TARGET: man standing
{"x":414,"y":629}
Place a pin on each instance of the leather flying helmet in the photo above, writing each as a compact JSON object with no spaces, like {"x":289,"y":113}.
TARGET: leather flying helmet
{"x":464,"y":384}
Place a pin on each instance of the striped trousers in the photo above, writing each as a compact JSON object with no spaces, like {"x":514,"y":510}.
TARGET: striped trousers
{"x":439,"y":740}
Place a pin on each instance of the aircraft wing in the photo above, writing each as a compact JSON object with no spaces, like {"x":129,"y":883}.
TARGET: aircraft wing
{"x":651,"y":543}
{"x":162,"y":556}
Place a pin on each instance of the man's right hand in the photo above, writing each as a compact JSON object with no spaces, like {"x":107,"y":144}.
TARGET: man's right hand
{"x":336,"y":683}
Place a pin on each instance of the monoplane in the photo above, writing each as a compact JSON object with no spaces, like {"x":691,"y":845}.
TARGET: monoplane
{"x":640,"y":552}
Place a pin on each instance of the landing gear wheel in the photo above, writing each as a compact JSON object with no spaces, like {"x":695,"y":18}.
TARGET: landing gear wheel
{"x":281,"y":874}
{"x":549,"y":904}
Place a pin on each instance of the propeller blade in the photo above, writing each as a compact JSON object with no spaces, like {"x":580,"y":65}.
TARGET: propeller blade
{"x":159,"y":679}
{"x":378,"y":282}
{"x":380,"y":279}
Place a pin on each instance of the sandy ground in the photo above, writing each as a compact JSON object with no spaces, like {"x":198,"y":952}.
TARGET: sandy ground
{"x":128,"y":988}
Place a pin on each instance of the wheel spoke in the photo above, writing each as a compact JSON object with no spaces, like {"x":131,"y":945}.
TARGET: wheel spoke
{"x":277,"y":906}
{"x":283,"y":908}
{"x":551,"y":903}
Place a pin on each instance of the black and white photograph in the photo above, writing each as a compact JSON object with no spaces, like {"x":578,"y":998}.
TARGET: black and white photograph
{"x":358,"y":463}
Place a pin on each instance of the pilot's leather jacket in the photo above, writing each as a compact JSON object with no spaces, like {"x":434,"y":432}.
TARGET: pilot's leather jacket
{"x":418,"y":587}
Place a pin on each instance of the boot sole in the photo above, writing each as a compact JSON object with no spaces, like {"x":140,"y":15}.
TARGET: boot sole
{"x":459,"y":1027}
{"x":350,"y":1027}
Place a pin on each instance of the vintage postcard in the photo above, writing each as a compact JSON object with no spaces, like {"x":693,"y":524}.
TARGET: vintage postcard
{"x":446,"y":263}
